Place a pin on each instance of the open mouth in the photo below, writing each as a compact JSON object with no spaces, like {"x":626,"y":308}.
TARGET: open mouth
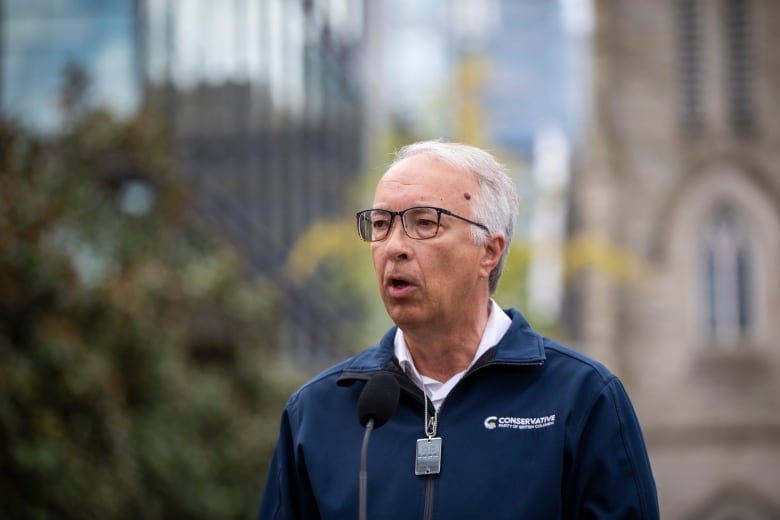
{"x":397,"y":283}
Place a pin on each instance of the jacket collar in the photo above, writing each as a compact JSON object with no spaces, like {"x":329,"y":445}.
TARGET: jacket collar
{"x":519,"y":346}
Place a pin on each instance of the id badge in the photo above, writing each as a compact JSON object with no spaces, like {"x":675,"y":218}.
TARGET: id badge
{"x":428,"y":460}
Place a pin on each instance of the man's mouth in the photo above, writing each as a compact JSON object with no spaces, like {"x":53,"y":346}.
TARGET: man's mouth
{"x":398,"y":283}
{"x":399,"y":287}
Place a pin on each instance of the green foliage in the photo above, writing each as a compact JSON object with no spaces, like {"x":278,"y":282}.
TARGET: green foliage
{"x":332,"y":251}
{"x":512,"y":289}
{"x":133,"y":352}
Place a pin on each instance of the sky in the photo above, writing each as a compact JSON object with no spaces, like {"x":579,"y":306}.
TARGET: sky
{"x":533,"y":46}
{"x":534,"y":52}
{"x":41,"y":37}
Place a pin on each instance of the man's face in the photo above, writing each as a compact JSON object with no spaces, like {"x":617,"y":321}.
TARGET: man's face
{"x":439,"y":281}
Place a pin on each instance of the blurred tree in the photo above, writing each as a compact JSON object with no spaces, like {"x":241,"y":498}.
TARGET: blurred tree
{"x":133,"y":351}
{"x":331,"y":252}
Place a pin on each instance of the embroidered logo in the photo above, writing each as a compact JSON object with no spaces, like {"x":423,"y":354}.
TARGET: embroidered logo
{"x":519,"y":423}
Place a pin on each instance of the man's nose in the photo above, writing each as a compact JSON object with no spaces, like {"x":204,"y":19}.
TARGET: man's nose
{"x":397,"y":241}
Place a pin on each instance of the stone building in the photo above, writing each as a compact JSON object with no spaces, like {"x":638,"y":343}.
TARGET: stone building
{"x":680,"y":172}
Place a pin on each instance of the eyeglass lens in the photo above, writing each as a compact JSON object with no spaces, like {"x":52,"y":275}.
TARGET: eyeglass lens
{"x":419,"y":223}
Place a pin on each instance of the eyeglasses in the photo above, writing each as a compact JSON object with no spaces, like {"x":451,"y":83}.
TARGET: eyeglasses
{"x":420,"y":223}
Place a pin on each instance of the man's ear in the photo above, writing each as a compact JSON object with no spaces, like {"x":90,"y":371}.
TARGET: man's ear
{"x":491,"y":252}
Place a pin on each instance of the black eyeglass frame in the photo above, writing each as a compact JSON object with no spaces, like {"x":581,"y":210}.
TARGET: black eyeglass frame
{"x":393,"y":214}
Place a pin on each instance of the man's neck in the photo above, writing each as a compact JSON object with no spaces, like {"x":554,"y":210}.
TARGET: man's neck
{"x":442,"y":354}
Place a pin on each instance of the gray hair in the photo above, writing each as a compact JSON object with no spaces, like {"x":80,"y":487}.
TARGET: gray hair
{"x":497,"y":203}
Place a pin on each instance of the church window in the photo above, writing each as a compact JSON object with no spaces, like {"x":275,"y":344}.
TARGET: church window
{"x":728,"y":277}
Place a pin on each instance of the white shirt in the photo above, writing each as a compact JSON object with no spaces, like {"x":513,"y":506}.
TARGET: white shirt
{"x":497,"y":325}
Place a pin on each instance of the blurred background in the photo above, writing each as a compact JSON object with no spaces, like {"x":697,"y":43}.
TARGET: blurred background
{"x":178,"y":183}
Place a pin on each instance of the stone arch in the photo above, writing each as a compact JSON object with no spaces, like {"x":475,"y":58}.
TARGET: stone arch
{"x":694,"y":204}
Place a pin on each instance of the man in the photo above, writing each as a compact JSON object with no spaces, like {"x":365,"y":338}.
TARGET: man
{"x":527,"y":428}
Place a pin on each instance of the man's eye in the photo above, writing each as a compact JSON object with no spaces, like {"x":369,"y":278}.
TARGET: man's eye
{"x":379,"y":224}
{"x":424,"y":222}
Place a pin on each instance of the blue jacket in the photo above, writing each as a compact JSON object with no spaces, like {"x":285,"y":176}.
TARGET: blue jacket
{"x":534,"y":431}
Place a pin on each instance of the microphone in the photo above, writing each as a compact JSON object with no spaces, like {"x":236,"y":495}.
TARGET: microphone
{"x":378,"y":400}
{"x":376,"y":404}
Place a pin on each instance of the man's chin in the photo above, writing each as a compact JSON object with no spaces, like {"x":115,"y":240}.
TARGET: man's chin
{"x":404,"y":314}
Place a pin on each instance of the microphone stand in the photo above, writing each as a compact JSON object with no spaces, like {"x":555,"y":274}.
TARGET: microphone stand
{"x":363,"y":472}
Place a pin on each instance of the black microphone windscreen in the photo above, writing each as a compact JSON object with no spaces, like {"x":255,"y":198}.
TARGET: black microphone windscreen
{"x":378,"y":399}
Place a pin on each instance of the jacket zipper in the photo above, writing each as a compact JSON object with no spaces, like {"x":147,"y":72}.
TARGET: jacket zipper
{"x":429,"y":489}
{"x":430,"y":482}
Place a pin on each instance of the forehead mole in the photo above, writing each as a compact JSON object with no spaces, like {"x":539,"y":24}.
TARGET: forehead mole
{"x":467,"y":196}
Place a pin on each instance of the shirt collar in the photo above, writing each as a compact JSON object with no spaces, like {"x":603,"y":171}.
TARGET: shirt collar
{"x":497,"y":325}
